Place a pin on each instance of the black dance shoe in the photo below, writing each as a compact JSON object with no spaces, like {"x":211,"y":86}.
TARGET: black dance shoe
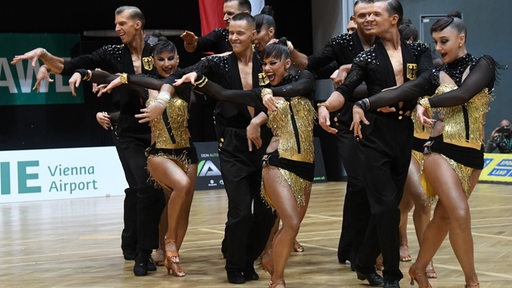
{"x":236,"y":277}
{"x":391,"y":284}
{"x":373,"y":278}
{"x":250,"y":274}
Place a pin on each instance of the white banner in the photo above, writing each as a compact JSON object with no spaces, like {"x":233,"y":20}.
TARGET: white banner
{"x":33,"y":175}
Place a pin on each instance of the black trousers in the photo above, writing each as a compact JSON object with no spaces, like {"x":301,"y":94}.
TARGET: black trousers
{"x":386,"y":148}
{"x":356,"y":210}
{"x":249,"y":218}
{"x":143,"y":203}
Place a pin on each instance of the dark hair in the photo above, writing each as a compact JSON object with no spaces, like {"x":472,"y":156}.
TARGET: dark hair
{"x":134,"y":12}
{"x":408,"y":31}
{"x":278,"y":50}
{"x":452,"y":19}
{"x":159,"y":44}
{"x":264,"y":20}
{"x":267,"y":9}
{"x":244,"y":17}
{"x":395,"y":7}
{"x":243,"y":4}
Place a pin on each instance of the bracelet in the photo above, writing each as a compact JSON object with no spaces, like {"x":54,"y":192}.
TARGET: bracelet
{"x":164,"y":96}
{"x":323,"y":104}
{"x":123,"y":78}
{"x":88,"y":75}
{"x":266,"y":91}
{"x":202,"y":82}
{"x":425,"y":103}
{"x":161,"y":102}
{"x":363,"y":104}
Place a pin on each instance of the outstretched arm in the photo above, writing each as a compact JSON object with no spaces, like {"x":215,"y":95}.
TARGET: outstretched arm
{"x":481,"y":76}
{"x":56,"y":64}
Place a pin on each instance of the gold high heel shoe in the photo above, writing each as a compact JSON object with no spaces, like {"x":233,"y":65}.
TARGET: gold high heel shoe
{"x":172,"y":259}
{"x":420,"y":277}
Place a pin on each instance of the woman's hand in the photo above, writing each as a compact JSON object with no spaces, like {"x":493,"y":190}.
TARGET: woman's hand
{"x":151,"y":112}
{"x":269,"y":102}
{"x":189,"y":77}
{"x":424,"y":117}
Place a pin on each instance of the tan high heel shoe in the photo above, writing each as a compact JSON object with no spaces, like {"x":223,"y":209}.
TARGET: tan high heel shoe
{"x":430,"y":271}
{"x":474,"y":285}
{"x":419,"y":276}
{"x":159,"y":257}
{"x":297,"y":247}
{"x":277,"y":284}
{"x":172,"y":259}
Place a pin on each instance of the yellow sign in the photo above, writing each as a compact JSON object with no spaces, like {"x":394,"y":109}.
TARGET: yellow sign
{"x":497,"y":168}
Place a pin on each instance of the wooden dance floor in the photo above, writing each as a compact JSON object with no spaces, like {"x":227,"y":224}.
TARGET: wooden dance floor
{"x":76,"y":243}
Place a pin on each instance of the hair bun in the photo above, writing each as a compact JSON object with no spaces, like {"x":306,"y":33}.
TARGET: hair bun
{"x":455,"y":14}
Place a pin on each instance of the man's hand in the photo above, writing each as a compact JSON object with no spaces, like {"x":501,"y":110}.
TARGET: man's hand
{"x":42,"y":74}
{"x":74,"y":82}
{"x":357,"y":117}
{"x":325,"y":121}
{"x":32,"y":55}
{"x":254,"y":135}
{"x":190,"y":40}
{"x":104,"y":120}
{"x":338,"y":76}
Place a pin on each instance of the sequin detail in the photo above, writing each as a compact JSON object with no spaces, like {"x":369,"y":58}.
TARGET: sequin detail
{"x":281,"y":126}
{"x":177,"y":113}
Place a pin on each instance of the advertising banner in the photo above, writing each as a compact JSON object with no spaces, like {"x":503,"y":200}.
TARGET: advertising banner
{"x":497,"y":168}
{"x":17,"y":81}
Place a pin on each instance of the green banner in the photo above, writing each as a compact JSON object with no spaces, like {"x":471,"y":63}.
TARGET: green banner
{"x":17,"y":81}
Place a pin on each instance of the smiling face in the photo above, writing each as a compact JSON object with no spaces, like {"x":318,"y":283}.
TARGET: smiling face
{"x":276,"y":69}
{"x":127,"y":27}
{"x":364,"y":25}
{"x":166,"y":63}
{"x":382,"y":19}
{"x":449,"y":44}
{"x":241,"y":35}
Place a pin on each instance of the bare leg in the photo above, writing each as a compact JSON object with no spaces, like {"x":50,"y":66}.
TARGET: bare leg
{"x":171,"y":176}
{"x":451,"y":214}
{"x":291,"y":215}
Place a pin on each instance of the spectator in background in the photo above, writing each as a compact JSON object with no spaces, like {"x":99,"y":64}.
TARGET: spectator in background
{"x":500,"y":138}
